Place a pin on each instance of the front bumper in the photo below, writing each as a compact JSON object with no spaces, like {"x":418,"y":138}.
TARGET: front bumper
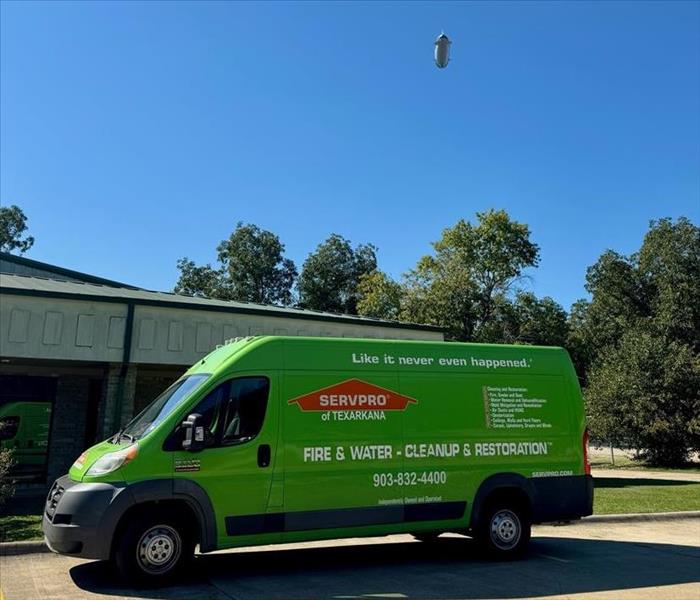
{"x":75,"y":517}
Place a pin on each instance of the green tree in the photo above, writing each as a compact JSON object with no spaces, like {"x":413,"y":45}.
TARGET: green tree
{"x":255,"y":268}
{"x":379,"y":296}
{"x":644,"y":393}
{"x":660,"y":285}
{"x":668,"y":267}
{"x":252,"y":269}
{"x":531,"y":320}
{"x":202,"y":281}
{"x":13,"y":224}
{"x":619,"y":300}
{"x":642,"y":316}
{"x":577,"y":343}
{"x":331,"y":275}
{"x":468,"y":279}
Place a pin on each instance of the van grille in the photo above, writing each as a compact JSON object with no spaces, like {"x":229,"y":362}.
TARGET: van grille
{"x":53,"y":498}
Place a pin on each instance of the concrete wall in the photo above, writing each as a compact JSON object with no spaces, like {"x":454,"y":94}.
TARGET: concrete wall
{"x":54,"y":329}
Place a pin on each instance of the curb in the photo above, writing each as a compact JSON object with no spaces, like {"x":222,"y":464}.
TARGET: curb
{"x":20,"y":548}
{"x":641,"y":517}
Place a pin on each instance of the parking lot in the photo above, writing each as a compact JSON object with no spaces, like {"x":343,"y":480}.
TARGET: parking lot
{"x":648,"y":559}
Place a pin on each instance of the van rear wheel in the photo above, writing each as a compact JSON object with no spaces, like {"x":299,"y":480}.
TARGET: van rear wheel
{"x":504,"y":531}
{"x":153,"y":549}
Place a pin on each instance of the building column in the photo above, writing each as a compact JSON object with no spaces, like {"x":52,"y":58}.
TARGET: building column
{"x":67,"y":436}
{"x":117,"y":406}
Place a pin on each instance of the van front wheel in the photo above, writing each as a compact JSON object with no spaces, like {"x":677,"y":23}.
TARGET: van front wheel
{"x":504,"y":531}
{"x":152,"y":550}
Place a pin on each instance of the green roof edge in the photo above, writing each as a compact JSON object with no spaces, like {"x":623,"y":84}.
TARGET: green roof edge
{"x":270,"y":311}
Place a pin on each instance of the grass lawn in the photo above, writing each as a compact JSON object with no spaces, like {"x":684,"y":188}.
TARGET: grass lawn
{"x":15,"y":528}
{"x":620,"y":495}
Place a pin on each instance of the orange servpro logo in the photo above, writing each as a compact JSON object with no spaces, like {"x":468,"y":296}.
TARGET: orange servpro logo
{"x":353,"y":394}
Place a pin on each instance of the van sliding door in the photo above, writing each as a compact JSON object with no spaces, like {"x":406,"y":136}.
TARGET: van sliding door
{"x":436,"y":453}
{"x":342,"y":436}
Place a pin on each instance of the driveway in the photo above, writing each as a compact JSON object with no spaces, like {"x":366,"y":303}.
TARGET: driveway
{"x":655,"y":560}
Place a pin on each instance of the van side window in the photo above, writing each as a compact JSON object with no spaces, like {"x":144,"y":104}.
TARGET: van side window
{"x":8,"y":427}
{"x":210,"y":409}
{"x":244,"y":409}
{"x":232,"y":413}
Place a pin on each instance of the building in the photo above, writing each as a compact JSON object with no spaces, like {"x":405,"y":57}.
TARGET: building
{"x":98,"y":351}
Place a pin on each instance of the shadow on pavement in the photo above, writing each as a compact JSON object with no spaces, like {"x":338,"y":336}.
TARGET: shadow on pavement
{"x":447,"y":569}
{"x":620,"y":482}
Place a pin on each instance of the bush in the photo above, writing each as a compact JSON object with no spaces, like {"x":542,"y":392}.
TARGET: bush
{"x":645,"y":394}
{"x":7,"y":487}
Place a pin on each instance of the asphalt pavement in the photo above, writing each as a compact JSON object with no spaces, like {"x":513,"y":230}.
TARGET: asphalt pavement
{"x":629,"y":560}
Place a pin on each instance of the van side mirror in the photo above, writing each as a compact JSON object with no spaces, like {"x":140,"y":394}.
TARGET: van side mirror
{"x":194,"y":433}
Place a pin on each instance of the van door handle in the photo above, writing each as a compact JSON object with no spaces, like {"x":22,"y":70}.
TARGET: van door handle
{"x":264,"y":455}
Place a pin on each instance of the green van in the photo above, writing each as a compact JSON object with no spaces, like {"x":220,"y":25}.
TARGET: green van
{"x":286,"y":439}
{"x":24,"y":429}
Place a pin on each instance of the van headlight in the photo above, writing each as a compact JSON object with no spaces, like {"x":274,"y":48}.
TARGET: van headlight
{"x":112,"y":461}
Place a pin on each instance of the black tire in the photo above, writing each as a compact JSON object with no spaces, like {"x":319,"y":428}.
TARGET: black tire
{"x":427,"y":537}
{"x":504,"y":531}
{"x":153,"y":549}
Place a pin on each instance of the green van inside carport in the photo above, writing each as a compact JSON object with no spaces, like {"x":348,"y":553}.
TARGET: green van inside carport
{"x":281,"y":439}
{"x":24,"y":429}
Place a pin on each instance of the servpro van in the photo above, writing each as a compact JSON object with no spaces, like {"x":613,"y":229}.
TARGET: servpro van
{"x":285,"y":439}
{"x":24,"y":429}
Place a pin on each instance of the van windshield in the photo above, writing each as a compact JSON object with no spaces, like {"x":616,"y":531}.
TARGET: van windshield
{"x":160,"y":408}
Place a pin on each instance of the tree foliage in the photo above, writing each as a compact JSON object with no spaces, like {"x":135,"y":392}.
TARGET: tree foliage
{"x":13,"y":224}
{"x":252,"y":269}
{"x":644,"y":393}
{"x":379,"y":296}
{"x":657,"y":287}
{"x":474,"y":267}
{"x":331,"y":275}
{"x":638,"y":341}
{"x":7,"y":485}
{"x":468,"y":286}
{"x":532,"y":320}
{"x":201,"y":281}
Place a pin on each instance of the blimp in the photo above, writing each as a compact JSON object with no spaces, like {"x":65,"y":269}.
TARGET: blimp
{"x":442,"y":51}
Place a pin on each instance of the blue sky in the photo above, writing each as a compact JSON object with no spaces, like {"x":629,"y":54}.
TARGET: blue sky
{"x":133,"y":134}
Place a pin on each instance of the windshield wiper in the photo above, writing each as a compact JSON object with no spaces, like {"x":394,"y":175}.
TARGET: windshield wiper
{"x":116,"y":438}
